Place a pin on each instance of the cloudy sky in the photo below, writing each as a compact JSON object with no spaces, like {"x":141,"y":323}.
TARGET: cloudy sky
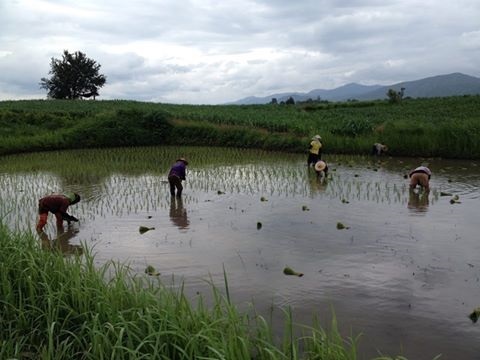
{"x":212,"y":52}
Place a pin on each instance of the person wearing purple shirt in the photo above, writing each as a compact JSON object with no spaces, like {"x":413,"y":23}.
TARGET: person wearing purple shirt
{"x":176,"y":175}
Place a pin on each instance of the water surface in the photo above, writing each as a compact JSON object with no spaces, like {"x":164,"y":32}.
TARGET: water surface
{"x":405,"y":273}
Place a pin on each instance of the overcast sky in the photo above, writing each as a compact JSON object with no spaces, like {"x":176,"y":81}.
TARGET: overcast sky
{"x":212,"y":52}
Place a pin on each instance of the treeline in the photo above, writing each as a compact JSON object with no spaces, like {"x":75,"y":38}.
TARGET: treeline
{"x":434,"y":127}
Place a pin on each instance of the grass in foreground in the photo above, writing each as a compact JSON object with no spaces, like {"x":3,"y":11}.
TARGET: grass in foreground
{"x":53,"y":307}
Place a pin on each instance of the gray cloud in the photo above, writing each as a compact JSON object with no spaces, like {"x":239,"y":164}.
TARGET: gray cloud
{"x":211,"y":51}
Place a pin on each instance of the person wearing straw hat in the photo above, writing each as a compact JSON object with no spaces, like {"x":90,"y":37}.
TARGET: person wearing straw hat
{"x":57,"y":204}
{"x":176,"y":175}
{"x":315,"y":150}
{"x":420,"y":176}
{"x":321,"y":168}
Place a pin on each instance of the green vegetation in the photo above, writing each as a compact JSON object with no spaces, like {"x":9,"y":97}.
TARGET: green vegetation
{"x":73,"y":77}
{"x":56,"y":307}
{"x":434,"y":127}
{"x":289,"y":271}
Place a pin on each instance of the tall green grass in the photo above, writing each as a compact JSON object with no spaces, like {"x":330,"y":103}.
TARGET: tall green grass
{"x":56,"y":307}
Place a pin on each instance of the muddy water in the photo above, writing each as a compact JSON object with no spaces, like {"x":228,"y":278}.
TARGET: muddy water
{"x":405,"y":272}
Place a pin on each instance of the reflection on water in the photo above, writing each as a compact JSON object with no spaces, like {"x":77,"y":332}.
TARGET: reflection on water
{"x":178,"y":214}
{"x":62,"y":241}
{"x":390,"y":275}
{"x":318,"y":184}
{"x":418,"y":200}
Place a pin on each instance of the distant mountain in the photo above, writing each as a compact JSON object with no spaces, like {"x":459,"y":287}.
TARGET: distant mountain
{"x":435,"y":86}
{"x":345,"y":92}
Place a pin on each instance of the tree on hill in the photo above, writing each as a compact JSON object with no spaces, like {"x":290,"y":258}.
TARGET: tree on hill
{"x":395,"y":97}
{"x":75,"y":76}
{"x":290,"y":101}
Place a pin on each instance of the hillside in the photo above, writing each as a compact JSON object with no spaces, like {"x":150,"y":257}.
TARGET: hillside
{"x":455,"y":84}
{"x":427,"y":127}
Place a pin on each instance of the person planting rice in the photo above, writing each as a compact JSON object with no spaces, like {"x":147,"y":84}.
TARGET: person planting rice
{"x":315,"y":150}
{"x":321,"y":168}
{"x":420,"y":176}
{"x":176,"y":175}
{"x":379,"y":149}
{"x":57,"y":204}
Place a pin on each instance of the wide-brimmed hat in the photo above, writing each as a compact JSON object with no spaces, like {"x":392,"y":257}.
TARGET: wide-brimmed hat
{"x":317,"y":137}
{"x":182,"y":159}
{"x":320,"y":165}
{"x":73,"y":197}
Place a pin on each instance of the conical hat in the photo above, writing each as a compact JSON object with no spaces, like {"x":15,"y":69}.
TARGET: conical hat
{"x":182,"y":159}
{"x":320,"y":165}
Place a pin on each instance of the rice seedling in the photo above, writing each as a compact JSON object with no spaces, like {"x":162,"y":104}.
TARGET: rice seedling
{"x":474,"y":315}
{"x":289,"y":271}
{"x":341,"y":226}
{"x":455,"y":200}
{"x":150,"y":270}
{"x":143,"y":229}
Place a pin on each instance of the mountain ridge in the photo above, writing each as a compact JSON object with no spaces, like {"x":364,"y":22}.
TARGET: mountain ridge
{"x":453,"y":84}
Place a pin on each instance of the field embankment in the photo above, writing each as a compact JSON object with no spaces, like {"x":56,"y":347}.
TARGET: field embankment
{"x":434,"y":127}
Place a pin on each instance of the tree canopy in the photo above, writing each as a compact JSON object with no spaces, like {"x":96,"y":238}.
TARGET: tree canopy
{"x":395,"y":97}
{"x":75,"y":76}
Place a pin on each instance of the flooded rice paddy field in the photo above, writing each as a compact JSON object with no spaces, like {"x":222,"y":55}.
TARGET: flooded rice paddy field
{"x":405,"y":272}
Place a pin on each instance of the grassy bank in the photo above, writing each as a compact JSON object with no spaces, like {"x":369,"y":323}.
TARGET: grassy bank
{"x":435,"y":127}
{"x":53,"y":307}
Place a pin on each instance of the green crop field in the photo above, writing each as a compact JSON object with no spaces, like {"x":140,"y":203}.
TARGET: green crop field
{"x":433,"y":127}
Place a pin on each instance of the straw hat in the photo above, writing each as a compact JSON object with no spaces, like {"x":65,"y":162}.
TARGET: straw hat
{"x":317,"y":137}
{"x":320,"y":165}
{"x":182,"y":159}
{"x":73,"y":197}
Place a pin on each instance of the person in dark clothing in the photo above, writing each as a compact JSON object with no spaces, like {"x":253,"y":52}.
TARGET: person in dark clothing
{"x":176,"y":175}
{"x":57,"y":204}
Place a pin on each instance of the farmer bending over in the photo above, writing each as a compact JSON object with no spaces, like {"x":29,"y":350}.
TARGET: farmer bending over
{"x":56,"y":204}
{"x":321,"y":168}
{"x":176,"y":175}
{"x":379,"y":149}
{"x":420,"y":176}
